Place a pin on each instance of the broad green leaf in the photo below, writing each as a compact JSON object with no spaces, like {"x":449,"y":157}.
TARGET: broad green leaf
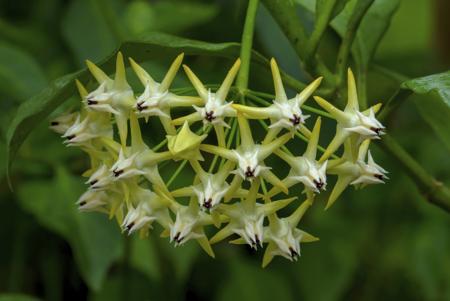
{"x":323,"y":5}
{"x":150,"y":47}
{"x":95,"y":240}
{"x":20,"y":75}
{"x":433,"y":102}
{"x":247,"y":281}
{"x":169,"y":17}
{"x":17,"y":297}
{"x":87,"y":31}
{"x":143,"y":256}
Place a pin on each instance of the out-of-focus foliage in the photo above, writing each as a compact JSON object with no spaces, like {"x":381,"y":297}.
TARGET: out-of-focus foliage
{"x":383,"y":243}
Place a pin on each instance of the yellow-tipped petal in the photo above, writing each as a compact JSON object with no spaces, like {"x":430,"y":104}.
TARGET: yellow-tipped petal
{"x":168,"y":125}
{"x":253,"y":112}
{"x":185,"y":101}
{"x":122,"y":126}
{"x":352,"y":102}
{"x":245,"y":132}
{"x":270,"y":177}
{"x":311,"y":149}
{"x":98,"y":73}
{"x":271,"y":134}
{"x":228,"y":81}
{"x":363,"y":148}
{"x":337,"y":141}
{"x":289,"y":159}
{"x":220,"y":151}
{"x":204,"y":243}
{"x":376,"y":108}
{"x":273,"y":207}
{"x":234,"y":186}
{"x":137,"y":144}
{"x":191,"y":118}
{"x":341,"y":184}
{"x":221,"y":235}
{"x":295,"y":217}
{"x":309,"y":90}
{"x":170,"y":75}
{"x":238,"y":241}
{"x":335,"y":112}
{"x":220,"y":134}
{"x":225,"y":170}
{"x":120,"y":80}
{"x":143,"y":76}
{"x":304,"y":131}
{"x":280,"y":94}
{"x":268,"y":254}
{"x":198,"y":85}
{"x":81,"y":89}
{"x":306,"y":237}
{"x":267,"y":149}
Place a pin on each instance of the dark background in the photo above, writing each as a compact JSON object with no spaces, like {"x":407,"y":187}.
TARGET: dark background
{"x":381,"y":243}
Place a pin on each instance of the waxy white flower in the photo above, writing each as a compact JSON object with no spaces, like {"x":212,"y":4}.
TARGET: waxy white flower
{"x":247,"y":218}
{"x":215,"y":107}
{"x":283,"y":236}
{"x":63,"y":122}
{"x":283,"y":113}
{"x":362,"y":125}
{"x":250,"y":156}
{"x":101,"y":179}
{"x":189,"y":224}
{"x":146,"y":207}
{"x":93,"y":201}
{"x":83,"y":131}
{"x":356,"y":172}
{"x":157,"y":100}
{"x":112,"y":96}
{"x":305,"y":169}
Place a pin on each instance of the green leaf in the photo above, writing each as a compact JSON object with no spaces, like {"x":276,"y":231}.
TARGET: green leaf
{"x":247,"y":281}
{"x":152,"y":46}
{"x":372,"y":27}
{"x":20,"y":75}
{"x":433,"y":102}
{"x":17,"y":297}
{"x":322,"y":5}
{"x":95,"y":241}
{"x":86,"y":30}
{"x":144,"y":258}
{"x":170,"y":17}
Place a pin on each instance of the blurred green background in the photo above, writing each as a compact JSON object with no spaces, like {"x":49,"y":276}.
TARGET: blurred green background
{"x":381,"y":243}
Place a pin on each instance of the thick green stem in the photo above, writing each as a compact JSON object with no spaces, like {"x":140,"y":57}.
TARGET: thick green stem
{"x":320,"y":26}
{"x":359,"y":11}
{"x":246,"y":46}
{"x":285,"y":14}
{"x":434,"y":191}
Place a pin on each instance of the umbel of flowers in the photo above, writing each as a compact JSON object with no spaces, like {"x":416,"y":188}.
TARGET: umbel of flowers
{"x":237,"y":193}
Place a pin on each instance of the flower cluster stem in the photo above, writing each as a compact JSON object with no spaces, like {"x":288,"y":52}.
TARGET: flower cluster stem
{"x":246,"y":46}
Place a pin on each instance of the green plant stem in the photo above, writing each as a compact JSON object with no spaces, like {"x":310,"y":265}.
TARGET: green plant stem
{"x":434,"y":191}
{"x":176,"y":173}
{"x":393,"y":103}
{"x":320,"y":26}
{"x":285,"y":14}
{"x":246,"y":46}
{"x":358,"y":13}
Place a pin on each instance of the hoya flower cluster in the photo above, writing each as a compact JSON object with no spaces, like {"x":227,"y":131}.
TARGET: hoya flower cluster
{"x":234,"y":191}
